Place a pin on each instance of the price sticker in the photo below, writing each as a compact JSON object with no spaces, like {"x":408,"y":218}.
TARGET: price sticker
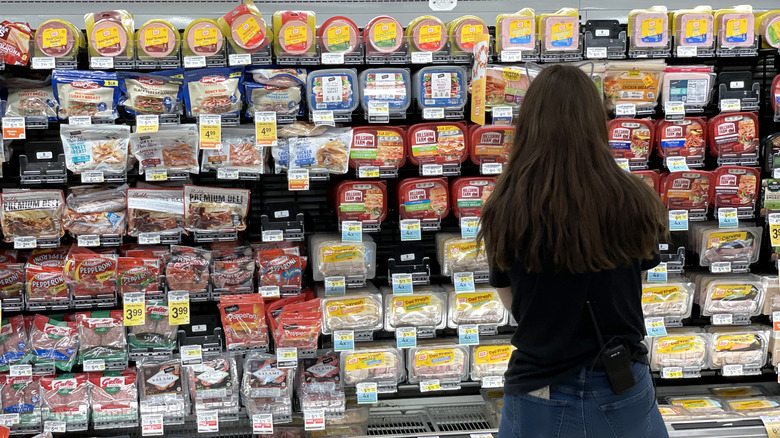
{"x":430,"y":385}
{"x":402,"y":284}
{"x":208,"y":421}
{"x":191,"y":354}
{"x":406,"y":337}
{"x":147,"y":123}
{"x":344,"y":340}
{"x":335,"y":286}
{"x":511,"y":56}
{"x":596,"y":52}
{"x":271,"y":292}
{"x":92,"y":177}
{"x":410,"y":230}
{"x":366,"y":392}
{"x":776,"y":173}
{"x":378,"y":112}
{"x":720,"y":267}
{"x":776,"y":320}
{"x":727,"y":218}
{"x":674,"y":110}
{"x":54,"y":427}
{"x":43,"y":63}
{"x":491,"y":168}
{"x":314,"y":419}
{"x":88,"y":240}
{"x":152,"y":425}
{"x":502,"y":115}
{"x":772,"y":425}
{"x":178,"y":307}
{"x":687,"y":51}
{"x":239,"y":59}
{"x":135,"y":308}
{"x":625,"y":110}
{"x":468,"y":334}
{"x":368,"y":172}
{"x":13,"y":128}
{"x":422,"y":57}
{"x":287,"y":355}
{"x":659,"y":273}
{"x":672,"y":373}
{"x":351,"y":231}
{"x":79,"y":120}
{"x":433,"y":113}
{"x":101,"y":62}
{"x":469,"y":227}
{"x":464,"y":281}
{"x":25,"y":242}
{"x":210,"y":131}
{"x":20,"y":370}
{"x":149,"y":238}
{"x":723,"y":319}
{"x":157,"y":175}
{"x":230,"y":173}
{"x":678,"y":220}
{"x":9,"y":420}
{"x":623,"y":164}
{"x":330,"y":58}
{"x":774,"y":228}
{"x":655,"y":326}
{"x":298,"y":179}
{"x":194,"y":61}
{"x":432,"y":169}
{"x":263,"y":424}
{"x":492,"y":382}
{"x":323,"y":118}
{"x":272,"y":235}
{"x":94,"y":365}
{"x":265,"y":129}
{"x":730,"y":105}
{"x":733,"y":370}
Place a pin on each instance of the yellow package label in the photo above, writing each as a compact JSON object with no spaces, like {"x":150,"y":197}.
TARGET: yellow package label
{"x":520,"y":28}
{"x":437,"y":357}
{"x":660,"y":294}
{"x":736,"y":342}
{"x":651,"y":27}
{"x":390,"y":134}
{"x":342,"y":308}
{"x":366,"y":361}
{"x":675,"y":344}
{"x":736,"y":27}
{"x":490,"y":354}
{"x":735,"y":392}
{"x":105,"y":276}
{"x":648,"y":81}
{"x":107,"y":37}
{"x":156,"y":36}
{"x":248,"y":30}
{"x":54,"y":38}
{"x":665,"y":412}
{"x":562,"y":34}
{"x":473,"y":300}
{"x":338,"y":35}
{"x":731,"y":291}
{"x":345,"y":253}
{"x":205,"y":37}
{"x":385,"y":32}
{"x":695,"y":403}
{"x":718,"y":239}
{"x":462,"y":249}
{"x":695,"y":28}
{"x":411,"y":303}
{"x":752,"y":404}
{"x":511,"y":75}
{"x":295,"y":35}
{"x":468,"y":34}
{"x":430,"y":34}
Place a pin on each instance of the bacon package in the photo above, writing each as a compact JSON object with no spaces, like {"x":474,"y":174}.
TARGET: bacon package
{"x":21,"y":395}
{"x":733,"y":134}
{"x":102,"y":336}
{"x":364,"y":201}
{"x":688,"y":190}
{"x":438,"y":143}
{"x":163,"y":390}
{"x":155,"y":333}
{"x":95,"y":147}
{"x":333,"y":90}
{"x":66,"y":398}
{"x":86,"y":93}
{"x":491,"y":144}
{"x":441,"y":87}
{"x":319,"y":384}
{"x":215,"y":208}
{"x":238,"y":150}
{"x":11,"y":281}
{"x":277,"y":90}
{"x":91,"y":275}
{"x":332,"y":257}
{"x":243,"y":318}
{"x":114,"y":399}
{"x":29,"y":98}
{"x":469,"y":195}
{"x":32,"y":214}
{"x":53,"y":341}
{"x":446,"y":362}
{"x":214,"y":91}
{"x":187,"y":269}
{"x":155,"y":93}
{"x":424,"y":198}
{"x":173,"y":150}
{"x":686,"y":138}
{"x":232,"y":270}
{"x":45,"y":284}
{"x":383,"y":146}
{"x":479,"y":307}
{"x":155,"y":211}
{"x":631,"y":139}
{"x":95,"y":210}
{"x":13,"y":341}
{"x":329,"y":151}
{"x":359,"y":312}
{"x":736,"y":187}
{"x":214,"y":385}
{"x":137,"y":274}
{"x":15,"y":43}
{"x":246,"y":28}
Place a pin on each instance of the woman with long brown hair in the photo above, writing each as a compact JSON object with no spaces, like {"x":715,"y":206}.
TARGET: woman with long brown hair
{"x":567,"y":234}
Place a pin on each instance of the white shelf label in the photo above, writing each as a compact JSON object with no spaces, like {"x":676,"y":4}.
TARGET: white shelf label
{"x":733,"y":370}
{"x":492,"y":382}
{"x":152,"y":425}
{"x":655,"y":326}
{"x":366,"y":392}
{"x":674,"y":109}
{"x":54,"y":427}
{"x":147,"y":123}
{"x":157,"y":175}
{"x":13,"y":128}
{"x":92,"y":177}
{"x":422,"y":57}
{"x":402,"y":284}
{"x":672,"y":373}
{"x":79,"y":120}
{"x":596,"y":52}
{"x":20,"y":370}
{"x":94,"y":365}
{"x":89,"y":240}
{"x":432,"y":169}
{"x":687,"y":51}
{"x":298,"y":179}
{"x":227,"y":173}
{"x":332,"y":58}
{"x":191,"y":354}
{"x":25,"y":242}
{"x":149,"y":238}
{"x":491,"y":168}
{"x":351,"y":231}
{"x":623,"y":164}
{"x":194,"y":61}
{"x":625,"y":110}
{"x":368,"y":172}
{"x":727,"y":218}
{"x":433,"y":113}
{"x":208,"y":421}
{"x":730,"y":105}
{"x":238,"y":59}
{"x":502,"y":115}
{"x":468,"y":334}
{"x":314,"y":419}
{"x":430,"y":385}
{"x":723,"y":319}
{"x":269,"y":291}
{"x":263,"y":424}
{"x":101,"y":62}
{"x":720,"y":267}
{"x":677,"y":164}
{"x":324,"y":118}
{"x":410,"y":230}
{"x":272,"y":235}
{"x":511,"y":56}
{"x":43,"y":63}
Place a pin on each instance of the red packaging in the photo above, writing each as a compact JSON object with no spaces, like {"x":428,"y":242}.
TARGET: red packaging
{"x":631,"y":138}
{"x":685,"y":138}
{"x":92,"y":275}
{"x":247,"y":29}
{"x":234,"y":274}
{"x":688,"y":190}
{"x":243,"y":318}
{"x":136,"y":274}
{"x":469,"y":195}
{"x":147,"y":252}
{"x":437,"y":143}
{"x":9,"y":256}
{"x":277,"y":268}
{"x":733,"y":134}
{"x":113,"y":393}
{"x":736,"y":186}
{"x":298,"y":325}
{"x":15,"y":43}
{"x":274,"y":309}
{"x":651,"y":177}
{"x":423,"y":198}
{"x":338,"y":35}
{"x":775,"y":95}
{"x":361,"y":201}
{"x":383,"y":146}
{"x":11,"y":280}
{"x":50,"y":257}
{"x":66,"y":395}
{"x":45,"y":283}
{"x":187,"y":269}
{"x":491,"y":144}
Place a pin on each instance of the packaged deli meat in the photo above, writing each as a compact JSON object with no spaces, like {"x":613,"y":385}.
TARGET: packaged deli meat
{"x":383,"y":365}
{"x":459,"y":254}
{"x":482,"y":306}
{"x":733,"y":134}
{"x":382,"y":146}
{"x":232,"y":270}
{"x":245,"y":28}
{"x":172,"y":150}
{"x":734,"y":295}
{"x":357,"y":312}
{"x":469,"y":195}
{"x":423,"y":198}
{"x":333,"y":90}
{"x":86,"y":93}
{"x":92,"y":210}
{"x":391,"y":86}
{"x":110,"y":34}
{"x":332,"y":257}
{"x":383,"y":35}
{"x":155,"y":93}
{"x":328,"y":152}
{"x":673,"y":298}
{"x":753,"y":406}
{"x":441,"y":87}
{"x":214,"y":384}
{"x":686,"y":138}
{"x":426,"y":34}
{"x":277,"y":90}
{"x":746,"y":346}
{"x":294,"y":33}
{"x":688,"y":190}
{"x":29,"y":98}
{"x":319,"y":384}
{"x":95,"y":147}
{"x":48,"y":257}
{"x":202,"y":37}
{"x":683,"y":347}
{"x":90,"y":275}
{"x":243,"y":317}
{"x":66,"y":398}
{"x":419,"y":309}
{"x":463,"y":33}
{"x":13,"y":341}
{"x":635,"y":82}
{"x":157,"y":39}
{"x":364,"y":201}
{"x":437,"y":143}
{"x":735,"y":245}
{"x":736,"y":392}
{"x":113,"y":398}
{"x":12,"y":279}
{"x":559,"y":31}
{"x":45,"y":284}
{"x":506,"y":85}
{"x":631,"y":139}
{"x":187,"y":268}
{"x":266,"y":388}
{"x":21,"y":396}
{"x":155,"y":333}
{"x":278,"y":268}
{"x":153,"y":210}
{"x":57,"y":38}
{"x":15,"y":43}
{"x":35,"y":213}
{"x":490,"y":358}
{"x":648,"y":28}
{"x":209,"y":209}
{"x":694,"y":27}
{"x":736,"y":186}
{"x":338,"y":35}
{"x":700,"y":406}
{"x":768,"y":26}
{"x":491,"y":144}
{"x":214,"y":91}
{"x":298,"y":325}
{"x":102,"y":336}
{"x":516,"y":32}
{"x":163,"y":389}
{"x":690,"y":85}
{"x":447,"y":362}
{"x":735,"y":26}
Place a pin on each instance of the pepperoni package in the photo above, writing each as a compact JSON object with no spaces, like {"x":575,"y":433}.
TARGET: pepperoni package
{"x":686,"y":138}
{"x":631,"y":139}
{"x":491,"y":144}
{"x":688,"y":190}
{"x":423,"y":198}
{"x":276,"y":267}
{"x":187,"y":269}
{"x":469,"y":195}
{"x":243,"y":317}
{"x":382,"y":146}
{"x":232,"y":270}
{"x":736,"y":187}
{"x":137,"y":274}
{"x":298,"y":325}
{"x":45,"y":283}
{"x":91,"y":275}
{"x":438,"y":143}
{"x":11,"y":281}
{"x":363,"y":201}
{"x":733,"y":134}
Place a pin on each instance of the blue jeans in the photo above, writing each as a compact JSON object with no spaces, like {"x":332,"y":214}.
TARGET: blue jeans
{"x":584,"y":406}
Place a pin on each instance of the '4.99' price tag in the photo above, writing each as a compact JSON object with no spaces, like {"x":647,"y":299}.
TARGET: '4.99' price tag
{"x":178,"y":307}
{"x":210,"y":131}
{"x":265,"y":128}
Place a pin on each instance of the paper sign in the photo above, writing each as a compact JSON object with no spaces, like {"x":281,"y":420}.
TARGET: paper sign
{"x":210,"y":131}
{"x":265,"y":128}
{"x":13,"y":128}
{"x":659,"y":273}
{"x":479,"y":78}
{"x":406,"y":337}
{"x":468,"y":334}
{"x":727,"y":218}
{"x":335,"y":286}
{"x":343,"y":340}
{"x":178,"y":308}
{"x":298,"y":179}
{"x":135,"y":308}
{"x":464,"y":281}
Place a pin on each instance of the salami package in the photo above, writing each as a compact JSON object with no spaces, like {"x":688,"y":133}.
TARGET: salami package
{"x":276,"y":267}
{"x":383,"y":146}
{"x":423,"y":198}
{"x":685,"y":138}
{"x":32,"y":214}
{"x":163,"y":389}
{"x":438,"y":143}
{"x":479,"y":307}
{"x":66,"y":398}
{"x":137,"y":274}
{"x":266,"y":388}
{"x":155,"y":210}
{"x":733,"y":134}
{"x":232,"y":270}
{"x":95,"y":210}
{"x":53,"y":341}
{"x":214,"y":91}
{"x":155,"y":333}
{"x":332,"y":257}
{"x":14,"y":344}
{"x":329,"y":151}
{"x":46,"y":283}
{"x":214,"y":384}
{"x":114,"y":399}
{"x":187,"y":268}
{"x":469,"y":195}
{"x":736,"y":186}
{"x":363,"y":201}
{"x":95,"y":147}
{"x":174,"y":149}
{"x":384,"y":366}
{"x":86,"y":93}
{"x":215,"y":208}
{"x":15,"y":43}
{"x":29,"y":98}
{"x":21,"y":395}
{"x":243,"y":318}
{"x":155,"y":93}
{"x":102,"y":336}
{"x":91,"y":275}
{"x":238,"y":151}
{"x":319,"y":384}
{"x":12,"y":278}
{"x":447,"y":362}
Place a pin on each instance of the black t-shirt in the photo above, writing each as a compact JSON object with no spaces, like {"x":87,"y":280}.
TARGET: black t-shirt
{"x":555,"y":334}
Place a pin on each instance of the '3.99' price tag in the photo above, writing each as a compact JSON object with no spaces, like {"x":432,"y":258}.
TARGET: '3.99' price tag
{"x":135,"y":308}
{"x":178,"y":307}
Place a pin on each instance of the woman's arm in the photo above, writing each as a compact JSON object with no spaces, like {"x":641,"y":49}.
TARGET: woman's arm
{"x":505,"y":294}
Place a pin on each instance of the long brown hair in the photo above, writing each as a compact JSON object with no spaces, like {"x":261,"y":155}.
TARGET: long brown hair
{"x":562,"y":201}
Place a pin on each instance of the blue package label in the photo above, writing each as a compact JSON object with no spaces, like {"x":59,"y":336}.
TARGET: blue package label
{"x":113,"y":218}
{"x":441,"y":89}
{"x":12,"y":356}
{"x":54,"y":354}
{"x":673,"y":143}
{"x":21,"y":408}
{"x":615,"y":144}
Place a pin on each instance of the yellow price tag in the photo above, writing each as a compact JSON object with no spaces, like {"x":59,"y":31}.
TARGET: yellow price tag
{"x":147,"y":123}
{"x":265,"y":128}
{"x":774,"y":228}
{"x":111,"y":83}
{"x":772,"y":425}
{"x":210,"y":132}
{"x":288,"y":355}
{"x":135,"y":309}
{"x":432,"y":385}
{"x":178,"y":308}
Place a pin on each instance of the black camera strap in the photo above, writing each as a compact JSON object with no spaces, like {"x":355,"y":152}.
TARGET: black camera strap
{"x":616,"y":360}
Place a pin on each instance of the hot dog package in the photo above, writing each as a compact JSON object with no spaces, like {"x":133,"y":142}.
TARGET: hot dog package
{"x":215,"y":209}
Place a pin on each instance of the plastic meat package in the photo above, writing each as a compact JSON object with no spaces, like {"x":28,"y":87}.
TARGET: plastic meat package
{"x":114,"y":398}
{"x":12,"y":278}
{"x":635,"y":82}
{"x":631,"y":139}
{"x":329,"y":151}
{"x":469,"y":195}
{"x":380,"y":365}
{"x":386,"y":85}
{"x":424,"y":198}
{"x":506,"y":85}
{"x":110,"y":34}
{"x":559,"y":31}
{"x":155,"y":93}
{"x":210,"y":209}
{"x":332,"y":257}
{"x":441,"y":87}
{"x":319,"y":384}
{"x":383,"y":146}
{"x":443,"y":361}
{"x":694,"y":27}
{"x":232,"y":270}
{"x":359,"y":312}
{"x":155,"y":333}
{"x":48,"y":257}
{"x":426,"y":34}
{"x":383,"y":35}
{"x":338,"y":35}
{"x":243,"y":317}
{"x":155,"y":211}
{"x":700,"y":406}
{"x":648,"y":28}
{"x":163,"y":390}
{"x":673,"y":298}
{"x":15,"y":43}
{"x":690,"y":85}
{"x":689,"y":190}
{"x":745,"y":346}
{"x":277,"y":90}
{"x":29,"y":98}
{"x":66,"y":398}
{"x":490,"y":359}
{"x":266,"y":388}
{"x":203,"y":37}
{"x":733,"y":134}
{"x":86,"y":93}
{"x":438,"y":143}
{"x":53,"y":341}
{"x":685,"y":138}
{"x":95,"y":210}
{"x":214,"y":91}
{"x":733,"y":392}
{"x":174,"y":149}
{"x":684,"y":347}
{"x":419,"y":309}
{"x":491,"y":144}
{"x":45,"y":283}
{"x":735,"y":26}
{"x":102,"y":336}
{"x":136,"y":274}
{"x":732,"y":295}
{"x":755,"y":406}
{"x":13,"y":341}
{"x":516,"y":31}
{"x":460,"y":254}
{"x":187,"y":269}
{"x":479,"y":307}
{"x":91,"y":275}
{"x":276,"y":267}
{"x":740,"y":245}
{"x":364,"y":201}
{"x":237,"y":151}
{"x":736,"y":186}
{"x":32,"y":214}
{"x":21,"y":395}
{"x":214,"y":384}
{"x":333,"y":90}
